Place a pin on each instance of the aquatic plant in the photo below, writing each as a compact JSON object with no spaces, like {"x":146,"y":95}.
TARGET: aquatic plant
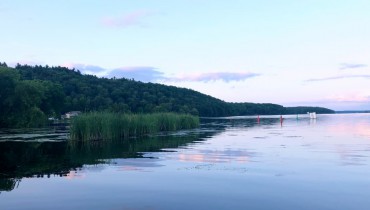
{"x":110,"y":126}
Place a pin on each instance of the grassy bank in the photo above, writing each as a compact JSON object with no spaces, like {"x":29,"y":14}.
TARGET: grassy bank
{"x":111,"y":126}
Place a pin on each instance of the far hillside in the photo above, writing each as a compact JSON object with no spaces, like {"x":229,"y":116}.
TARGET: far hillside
{"x":51,"y":91}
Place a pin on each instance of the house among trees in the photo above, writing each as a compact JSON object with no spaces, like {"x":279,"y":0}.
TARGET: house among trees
{"x":71,"y":114}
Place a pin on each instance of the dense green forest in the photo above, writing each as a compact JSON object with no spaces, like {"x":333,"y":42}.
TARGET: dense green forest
{"x":37,"y":92}
{"x":27,"y":103}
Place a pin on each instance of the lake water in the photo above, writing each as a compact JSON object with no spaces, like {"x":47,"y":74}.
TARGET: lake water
{"x":230,"y":163}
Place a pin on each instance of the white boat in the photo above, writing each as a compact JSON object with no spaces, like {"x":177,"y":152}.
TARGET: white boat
{"x":312,"y":115}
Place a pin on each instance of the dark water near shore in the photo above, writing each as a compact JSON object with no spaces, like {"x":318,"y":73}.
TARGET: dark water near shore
{"x":230,"y":163}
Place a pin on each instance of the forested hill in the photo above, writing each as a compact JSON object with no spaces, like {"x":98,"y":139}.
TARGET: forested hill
{"x":55,"y":90}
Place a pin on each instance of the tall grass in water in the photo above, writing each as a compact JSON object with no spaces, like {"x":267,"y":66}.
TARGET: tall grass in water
{"x":111,"y":126}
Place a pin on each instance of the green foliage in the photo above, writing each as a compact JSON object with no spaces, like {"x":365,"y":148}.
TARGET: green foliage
{"x":90,"y":93}
{"x":27,"y":103}
{"x":108,"y":126}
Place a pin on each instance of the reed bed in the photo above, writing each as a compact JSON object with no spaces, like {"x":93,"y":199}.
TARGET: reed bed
{"x":112,"y":126}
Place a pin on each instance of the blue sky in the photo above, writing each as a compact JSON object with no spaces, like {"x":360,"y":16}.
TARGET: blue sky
{"x":313,"y":53}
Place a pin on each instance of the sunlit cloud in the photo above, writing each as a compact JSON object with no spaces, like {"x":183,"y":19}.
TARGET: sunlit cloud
{"x":364,"y":76}
{"x":141,"y":73}
{"x":352,"y":65}
{"x":134,"y":18}
{"x":214,"y":76}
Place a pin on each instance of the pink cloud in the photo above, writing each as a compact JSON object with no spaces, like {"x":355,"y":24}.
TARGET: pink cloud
{"x":130,"y":19}
{"x":214,"y":76}
{"x":349,"y":98}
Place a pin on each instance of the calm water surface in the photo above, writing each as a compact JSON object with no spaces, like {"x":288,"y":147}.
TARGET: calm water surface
{"x":230,"y":163}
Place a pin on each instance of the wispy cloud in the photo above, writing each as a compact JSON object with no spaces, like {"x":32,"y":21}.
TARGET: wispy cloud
{"x":352,"y":66}
{"x":85,"y":68}
{"x":153,"y":74}
{"x":214,"y":76}
{"x":134,"y":18}
{"x":141,"y":73}
{"x":338,"y":77}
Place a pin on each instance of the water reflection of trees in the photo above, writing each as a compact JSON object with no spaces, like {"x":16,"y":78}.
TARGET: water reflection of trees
{"x":38,"y":159}
{"x":8,"y":184}
{"x":19,"y":159}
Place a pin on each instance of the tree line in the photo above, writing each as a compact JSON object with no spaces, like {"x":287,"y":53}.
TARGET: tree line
{"x":36,"y":92}
{"x":27,"y":103}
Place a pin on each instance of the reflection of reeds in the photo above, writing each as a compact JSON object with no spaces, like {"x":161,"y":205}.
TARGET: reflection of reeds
{"x":101,"y":125}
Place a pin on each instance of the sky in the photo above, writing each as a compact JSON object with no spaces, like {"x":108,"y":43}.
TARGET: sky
{"x":289,"y":52}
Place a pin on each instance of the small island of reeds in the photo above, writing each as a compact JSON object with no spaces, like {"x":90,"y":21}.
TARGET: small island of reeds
{"x":115,"y":126}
